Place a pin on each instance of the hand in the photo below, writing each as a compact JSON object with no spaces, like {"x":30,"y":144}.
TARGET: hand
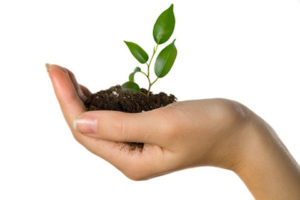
{"x":214,"y":132}
{"x":177,"y":136}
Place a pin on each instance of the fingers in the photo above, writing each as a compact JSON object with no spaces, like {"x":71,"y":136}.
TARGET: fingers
{"x":136,"y":165}
{"x":66,"y":93}
{"x":72,"y":106}
{"x":78,"y":88}
{"x":85,"y":91}
{"x":148,"y":127}
{"x":144,"y":127}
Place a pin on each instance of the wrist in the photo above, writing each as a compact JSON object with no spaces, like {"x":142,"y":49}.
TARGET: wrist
{"x":265,"y":165}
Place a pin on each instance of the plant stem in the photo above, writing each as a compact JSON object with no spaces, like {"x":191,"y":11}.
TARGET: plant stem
{"x":150,"y":85}
{"x":144,"y":73}
{"x":154,"y":51}
{"x":154,"y":81}
{"x":148,"y":69}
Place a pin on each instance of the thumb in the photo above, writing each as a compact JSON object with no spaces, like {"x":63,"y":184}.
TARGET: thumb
{"x":147,"y":127}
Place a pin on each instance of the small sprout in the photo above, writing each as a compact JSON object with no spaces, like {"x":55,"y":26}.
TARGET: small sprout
{"x":162,"y":31}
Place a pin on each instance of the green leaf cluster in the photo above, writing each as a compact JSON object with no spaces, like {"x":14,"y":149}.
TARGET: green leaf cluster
{"x":162,"y":31}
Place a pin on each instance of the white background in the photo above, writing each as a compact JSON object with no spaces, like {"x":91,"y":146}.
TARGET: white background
{"x":238,"y":49}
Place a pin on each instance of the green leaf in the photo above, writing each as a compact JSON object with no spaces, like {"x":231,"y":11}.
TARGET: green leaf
{"x":137,"y":52}
{"x":137,"y":69}
{"x":164,"y":26}
{"x":131,"y":76}
{"x":165,"y":60}
{"x":131,"y":86}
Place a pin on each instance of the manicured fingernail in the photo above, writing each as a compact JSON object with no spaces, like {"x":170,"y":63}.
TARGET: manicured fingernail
{"x":85,"y":124}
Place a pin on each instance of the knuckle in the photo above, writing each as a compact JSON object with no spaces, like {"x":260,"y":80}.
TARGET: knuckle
{"x":233,"y":111}
{"x":117,"y":128}
{"x":122,"y":130}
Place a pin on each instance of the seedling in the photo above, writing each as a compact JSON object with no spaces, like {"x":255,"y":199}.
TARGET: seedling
{"x":162,"y":31}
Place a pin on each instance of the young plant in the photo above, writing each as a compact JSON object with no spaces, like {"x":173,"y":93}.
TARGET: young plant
{"x":162,"y":31}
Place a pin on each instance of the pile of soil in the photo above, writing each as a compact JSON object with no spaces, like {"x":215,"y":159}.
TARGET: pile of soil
{"x":132,"y":102}
{"x":117,"y":99}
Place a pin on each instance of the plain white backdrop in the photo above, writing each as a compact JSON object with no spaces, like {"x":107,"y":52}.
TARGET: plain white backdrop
{"x":244,"y":50}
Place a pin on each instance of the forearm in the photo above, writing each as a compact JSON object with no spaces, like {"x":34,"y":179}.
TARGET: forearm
{"x":266,"y":166}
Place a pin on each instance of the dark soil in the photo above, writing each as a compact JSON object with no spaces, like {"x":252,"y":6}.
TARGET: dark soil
{"x":117,"y":99}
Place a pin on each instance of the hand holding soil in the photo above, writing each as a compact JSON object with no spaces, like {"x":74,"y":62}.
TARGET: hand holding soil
{"x":210,"y":132}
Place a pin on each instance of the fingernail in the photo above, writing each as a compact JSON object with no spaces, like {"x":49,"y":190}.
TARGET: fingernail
{"x":85,"y":124}
{"x":47,"y":66}
{"x":51,"y":67}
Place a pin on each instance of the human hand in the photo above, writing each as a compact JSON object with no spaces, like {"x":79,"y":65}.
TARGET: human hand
{"x":181,"y":135}
{"x":215,"y":132}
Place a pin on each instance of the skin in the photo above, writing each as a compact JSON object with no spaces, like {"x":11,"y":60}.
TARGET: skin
{"x":209,"y":132}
